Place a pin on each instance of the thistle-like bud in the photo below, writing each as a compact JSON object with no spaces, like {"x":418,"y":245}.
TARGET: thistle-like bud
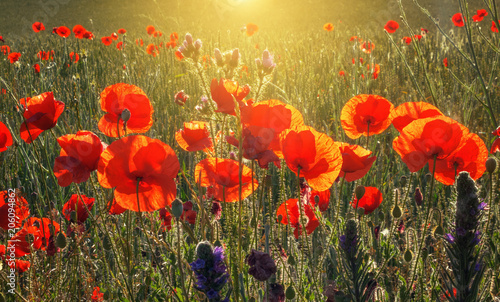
{"x":235,"y":58}
{"x":491,"y":164}
{"x":267,"y":61}
{"x":189,"y":39}
{"x":197,"y":44}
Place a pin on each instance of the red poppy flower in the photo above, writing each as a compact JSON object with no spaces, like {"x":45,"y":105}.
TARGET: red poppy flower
{"x":370,"y":201}
{"x":320,"y":199}
{"x":81,"y":206}
{"x":97,"y":295}
{"x":424,"y":31}
{"x":19,"y":205}
{"x":5,"y":49}
{"x":445,"y":62}
{"x":355,"y":38}
{"x":494,"y":26}
{"x":328,"y":27}
{"x":418,"y":37}
{"x":194,"y":137}
{"x":107,"y":40}
{"x":45,"y":55}
{"x":122,"y":31}
{"x":139,"y":42}
{"x":391,"y":26}
{"x":356,"y":161}
{"x":481,"y":13}
{"x":19,"y":265}
{"x":41,"y":113}
{"x":88,"y":35}
{"x":139,"y":167}
{"x":118,"y":97}
{"x":34,"y":235}
{"x":2,"y":40}
{"x":251,"y":29}
{"x":470,"y":157}
{"x":114,"y":36}
{"x":223,"y":176}
{"x":376,"y":71}
{"x":36,"y":67}
{"x":74,"y":57}
{"x":14,"y":57}
{"x":187,"y":215}
{"x":341,"y":73}
{"x":166,"y":219}
{"x":150,"y":29}
{"x":366,"y":114}
{"x":119,"y":45}
{"x":79,"y":31}
{"x":270,"y":118}
{"x":495,"y":147}
{"x":223,"y":93}
{"x":79,"y":156}
{"x":410,"y":111}
{"x":458,"y":20}
{"x":63,"y":31}
{"x":174,"y":36}
{"x":152,"y":50}
{"x":316,"y":154}
{"x":114,"y":208}
{"x":5,"y":137}
{"x":289,"y":211}
{"x":255,"y":145}
{"x":38,"y":26}
{"x":424,"y":139}
{"x":367,"y":47}
{"x":407,"y":40}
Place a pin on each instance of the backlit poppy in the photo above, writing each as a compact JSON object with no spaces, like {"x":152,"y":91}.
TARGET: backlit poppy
{"x":36,"y":67}
{"x":119,"y":45}
{"x":328,"y":27}
{"x":194,"y":137}
{"x":251,"y":29}
{"x":481,"y":13}
{"x":223,"y":176}
{"x":79,"y":156}
{"x":273,"y":117}
{"x":14,"y":57}
{"x":494,"y":26}
{"x":97,"y":295}
{"x":391,"y":26}
{"x":118,"y":97}
{"x":41,"y":113}
{"x":81,"y":206}
{"x":166,"y":219}
{"x":187,"y":215}
{"x":150,"y":29}
{"x":114,"y":36}
{"x":19,"y":205}
{"x":367,"y":47}
{"x":223,"y":93}
{"x":356,"y":161}
{"x":122,"y":31}
{"x":139,"y":167}
{"x":79,"y":31}
{"x":63,"y":31}
{"x":74,"y":57}
{"x":5,"y":137}
{"x":314,"y":153}
{"x":152,"y":50}
{"x":341,"y":73}
{"x":321,"y":199}
{"x":458,"y":20}
{"x":410,"y":111}
{"x":407,"y":40}
{"x":365,"y":114}
{"x":495,"y":147}
{"x":114,"y":208}
{"x":19,"y":265}
{"x":370,"y":201}
{"x":45,"y":55}
{"x":174,"y":36}
{"x":376,"y":71}
{"x":424,"y":139}
{"x":418,"y":37}
{"x":35,"y":235}
{"x":139,"y":42}
{"x":88,"y":35}
{"x":445,"y":62}
{"x":106,"y":40}
{"x":2,"y":40}
{"x":470,"y":157}
{"x":5,"y":49}
{"x":290,"y":212}
{"x":38,"y":26}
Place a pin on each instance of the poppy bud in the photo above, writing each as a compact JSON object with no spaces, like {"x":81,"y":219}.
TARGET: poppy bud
{"x":408,"y":255}
{"x":125,"y":115}
{"x":376,"y":232}
{"x":428,"y":177}
{"x":402,"y":181}
{"x":418,"y":197}
{"x":438,"y":231}
{"x":491,"y":165}
{"x":360,"y":192}
{"x":61,"y":240}
{"x":396,"y":212}
{"x":181,"y":98}
{"x":290,"y":292}
{"x":177,"y":208}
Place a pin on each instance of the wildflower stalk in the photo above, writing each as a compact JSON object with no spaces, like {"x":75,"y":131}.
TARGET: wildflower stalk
{"x":179,"y":260}
{"x":420,"y":246}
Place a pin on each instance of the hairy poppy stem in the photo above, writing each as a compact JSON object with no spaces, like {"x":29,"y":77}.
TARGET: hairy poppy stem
{"x":422,"y":240}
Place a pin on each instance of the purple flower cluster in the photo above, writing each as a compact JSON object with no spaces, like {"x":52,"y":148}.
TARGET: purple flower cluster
{"x":210,"y":271}
{"x":349,"y":241}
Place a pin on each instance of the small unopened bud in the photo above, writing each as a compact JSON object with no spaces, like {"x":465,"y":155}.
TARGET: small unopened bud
{"x":360,"y":192}
{"x":491,"y":164}
{"x":408,"y":255}
{"x":235,"y":57}
{"x":61,"y":240}
{"x":197,"y":44}
{"x":290,"y":292}
{"x":418,"y":197}
{"x":125,"y":115}
{"x":396,"y":212}
{"x":177,"y":208}
{"x":218,"y":57}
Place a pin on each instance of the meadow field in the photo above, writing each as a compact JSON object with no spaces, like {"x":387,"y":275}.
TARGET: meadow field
{"x":237,"y":151}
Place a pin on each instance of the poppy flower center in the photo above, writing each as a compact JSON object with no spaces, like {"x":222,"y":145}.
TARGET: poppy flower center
{"x":369,"y":120}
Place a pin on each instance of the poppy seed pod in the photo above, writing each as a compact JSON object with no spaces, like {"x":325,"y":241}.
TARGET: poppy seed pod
{"x":491,"y":164}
